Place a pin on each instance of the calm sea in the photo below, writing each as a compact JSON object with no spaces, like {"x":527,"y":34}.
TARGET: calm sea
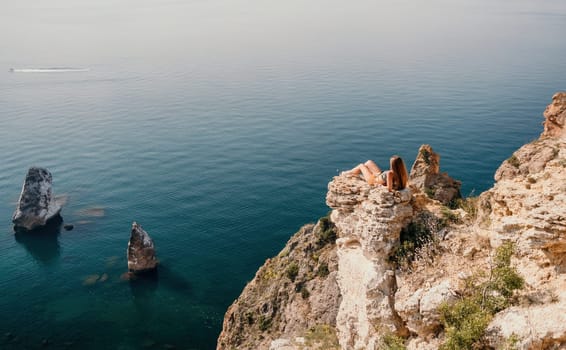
{"x":217,"y":125}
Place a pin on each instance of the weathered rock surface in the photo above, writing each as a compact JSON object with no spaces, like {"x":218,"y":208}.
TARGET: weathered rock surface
{"x":369,"y":233}
{"x":291,"y":295}
{"x":555,"y":115}
{"x":528,"y":203}
{"x":141,"y":251}
{"x":530,"y":159}
{"x":527,"y":206}
{"x":36,"y":205}
{"x":541,"y":325}
{"x":281,"y":309}
{"x":425,"y":176}
{"x":419,"y":308}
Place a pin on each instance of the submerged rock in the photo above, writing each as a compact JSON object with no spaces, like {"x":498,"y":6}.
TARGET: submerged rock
{"x":94,"y":212}
{"x":141,"y":251}
{"x":91,"y":280}
{"x":37,"y":204}
{"x":103,"y":278}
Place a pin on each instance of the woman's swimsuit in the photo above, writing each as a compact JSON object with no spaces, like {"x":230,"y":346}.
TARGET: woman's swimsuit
{"x":383,"y":176}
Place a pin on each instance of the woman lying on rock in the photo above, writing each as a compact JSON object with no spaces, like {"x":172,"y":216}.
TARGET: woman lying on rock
{"x":395,"y":178}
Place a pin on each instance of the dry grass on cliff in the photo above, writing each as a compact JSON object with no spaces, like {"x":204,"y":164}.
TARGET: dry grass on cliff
{"x":453,"y":250}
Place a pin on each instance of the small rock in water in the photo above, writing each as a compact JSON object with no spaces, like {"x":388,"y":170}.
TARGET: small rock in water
{"x":68,"y":227}
{"x":90,"y":280}
{"x":96,"y":212}
{"x":103,"y":278}
{"x":36,"y":205}
{"x":111,"y":261}
{"x":141,"y":251}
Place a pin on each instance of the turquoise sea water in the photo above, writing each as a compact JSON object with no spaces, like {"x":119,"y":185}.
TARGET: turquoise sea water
{"x":217,"y":126}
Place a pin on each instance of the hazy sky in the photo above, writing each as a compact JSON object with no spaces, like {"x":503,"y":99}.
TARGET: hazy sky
{"x":78,"y":33}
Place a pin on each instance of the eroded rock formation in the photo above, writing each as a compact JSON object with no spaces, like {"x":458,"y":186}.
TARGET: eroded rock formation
{"x":36,"y":205}
{"x":141,"y":251}
{"x":425,"y":176}
{"x":369,"y":229}
{"x":555,"y":114}
{"x":341,"y":290}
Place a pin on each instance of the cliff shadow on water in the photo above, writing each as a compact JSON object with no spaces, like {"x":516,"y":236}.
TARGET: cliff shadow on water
{"x":42,"y":243}
{"x":144,"y":285}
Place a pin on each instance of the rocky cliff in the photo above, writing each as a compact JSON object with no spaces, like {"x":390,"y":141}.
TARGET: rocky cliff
{"x":406,"y":269}
{"x":293,"y":298}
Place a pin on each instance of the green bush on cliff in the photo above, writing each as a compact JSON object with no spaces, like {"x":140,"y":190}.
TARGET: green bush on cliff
{"x":326,"y":232}
{"x":323,"y":270}
{"x":469,"y":205}
{"x":514,"y":161}
{"x":392,"y":342}
{"x":292,"y":271}
{"x":264,"y":323}
{"x":485,"y":294}
{"x":465,"y":323}
{"x":426,"y":156}
{"x":449,"y":217}
{"x":430,"y":192}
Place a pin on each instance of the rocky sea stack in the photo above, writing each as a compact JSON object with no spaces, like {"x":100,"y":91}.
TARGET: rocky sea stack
{"x":36,"y":205}
{"x":141,"y":251}
{"x":422,"y":268}
{"x":426,"y":177}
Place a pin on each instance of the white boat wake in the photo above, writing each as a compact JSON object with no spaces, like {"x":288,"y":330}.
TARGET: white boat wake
{"x":48,"y":70}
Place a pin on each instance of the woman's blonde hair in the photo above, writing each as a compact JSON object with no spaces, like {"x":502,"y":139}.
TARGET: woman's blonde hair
{"x":400,"y":176}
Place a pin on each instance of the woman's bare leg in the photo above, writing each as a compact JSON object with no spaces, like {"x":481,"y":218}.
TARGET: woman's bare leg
{"x":367,"y":174}
{"x":369,"y":171}
{"x":370,"y":164}
{"x":354,"y":171}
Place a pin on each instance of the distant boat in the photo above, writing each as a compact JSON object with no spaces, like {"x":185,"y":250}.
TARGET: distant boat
{"x":48,"y":70}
